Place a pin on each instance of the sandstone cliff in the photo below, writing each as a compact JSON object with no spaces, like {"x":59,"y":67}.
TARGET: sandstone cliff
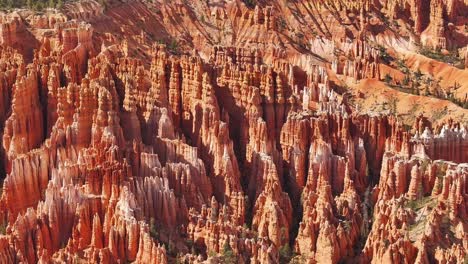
{"x":227,"y":133}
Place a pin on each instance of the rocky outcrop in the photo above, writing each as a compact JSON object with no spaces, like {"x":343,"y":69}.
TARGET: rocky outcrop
{"x":448,"y":142}
{"x":10,"y":63}
{"x":238,"y":141}
{"x":361,"y":61}
{"x":29,"y":174}
{"x":389,"y":243}
{"x":273,"y":211}
{"x":26,"y":114}
{"x":434,"y":35}
{"x":214,"y":228}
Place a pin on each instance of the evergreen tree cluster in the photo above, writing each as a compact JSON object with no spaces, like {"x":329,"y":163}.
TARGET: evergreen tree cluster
{"x":32,"y":4}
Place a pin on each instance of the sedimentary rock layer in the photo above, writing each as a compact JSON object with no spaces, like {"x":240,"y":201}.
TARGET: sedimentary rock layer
{"x":238,"y":142}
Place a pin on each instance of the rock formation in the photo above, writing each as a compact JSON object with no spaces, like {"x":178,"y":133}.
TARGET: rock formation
{"x":150,"y":132}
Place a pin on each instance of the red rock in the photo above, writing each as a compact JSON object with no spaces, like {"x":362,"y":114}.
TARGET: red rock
{"x":434,"y":35}
{"x":241,"y":130}
{"x":26,"y":115}
{"x":272,"y":206}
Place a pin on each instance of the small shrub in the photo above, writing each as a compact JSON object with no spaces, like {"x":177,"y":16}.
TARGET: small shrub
{"x":393,"y":105}
{"x":347,"y":225}
{"x":250,"y":3}
{"x":173,"y":47}
{"x":451,"y":58}
{"x":405,"y":80}
{"x":384,"y":56}
{"x":228,"y":256}
{"x":415,"y":205}
{"x":3,"y":227}
{"x":189,"y":243}
{"x":282,"y":25}
{"x":285,"y":253}
{"x":388,"y":79}
{"x":153,"y":229}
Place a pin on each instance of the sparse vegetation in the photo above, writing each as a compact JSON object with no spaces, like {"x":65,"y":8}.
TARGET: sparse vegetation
{"x":401,"y":64}
{"x":417,"y":83}
{"x":424,"y":164}
{"x":383,"y":54}
{"x":282,"y":25}
{"x":451,"y":57}
{"x":32,"y":4}
{"x":173,"y":46}
{"x":387,"y":243}
{"x":441,"y":170}
{"x":170,"y":248}
{"x":211,"y":253}
{"x":438,"y":114}
{"x":228,"y":256}
{"x":39,"y":5}
{"x":415,"y":205}
{"x":3,"y":226}
{"x":153,"y":229}
{"x":300,"y":40}
{"x":285,"y":253}
{"x":250,"y":3}
{"x":393,"y":105}
{"x":414,"y":107}
{"x":347,"y":225}
{"x":299,"y":259}
{"x":189,"y":243}
{"x":388,"y":79}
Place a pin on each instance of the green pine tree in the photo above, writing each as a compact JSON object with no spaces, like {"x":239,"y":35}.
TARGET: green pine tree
{"x":228,"y":256}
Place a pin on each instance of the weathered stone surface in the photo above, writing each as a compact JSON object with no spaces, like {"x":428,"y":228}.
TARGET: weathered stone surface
{"x":238,"y":139}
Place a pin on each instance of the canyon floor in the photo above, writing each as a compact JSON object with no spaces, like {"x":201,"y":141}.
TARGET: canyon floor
{"x":229,"y":131}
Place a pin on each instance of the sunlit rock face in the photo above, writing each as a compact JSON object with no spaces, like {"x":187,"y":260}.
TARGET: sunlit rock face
{"x":232,"y":132}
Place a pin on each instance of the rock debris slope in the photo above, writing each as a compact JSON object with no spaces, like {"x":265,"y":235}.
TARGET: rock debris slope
{"x":229,"y":132}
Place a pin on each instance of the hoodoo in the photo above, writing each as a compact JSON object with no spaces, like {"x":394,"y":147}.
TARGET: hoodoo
{"x":238,"y":131}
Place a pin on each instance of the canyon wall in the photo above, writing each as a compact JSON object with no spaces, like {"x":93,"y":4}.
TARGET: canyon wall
{"x":217,"y":151}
